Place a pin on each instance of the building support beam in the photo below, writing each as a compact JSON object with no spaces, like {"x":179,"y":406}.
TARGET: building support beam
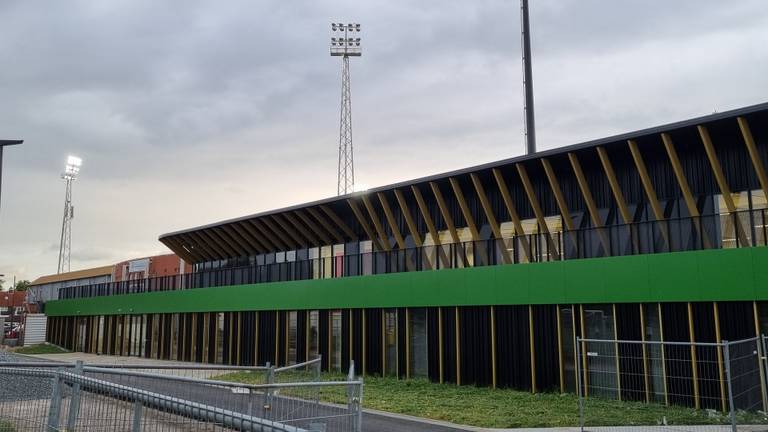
{"x":177,"y":246}
{"x":284,"y":238}
{"x":311,"y":238}
{"x":690,"y":201}
{"x":514,"y":216}
{"x":395,"y":230}
{"x":252,"y":240}
{"x":364,"y":223}
{"x":444,"y":211}
{"x":650,"y":192}
{"x":725,"y":190}
{"x":415,"y":235}
{"x":319,"y":233}
{"x":230,"y":242}
{"x":554,"y":184}
{"x":473,"y":231}
{"x":327,"y":226}
{"x":215,"y":244}
{"x":237,"y":240}
{"x":488,"y":209}
{"x":383,"y":239}
{"x":340,"y":223}
{"x":614,"y":183}
{"x":757,"y":162}
{"x":534,"y":202}
{"x":427,"y":216}
{"x":193,"y":245}
{"x":278,"y":244}
{"x":286,"y":227}
{"x":590,"y":201}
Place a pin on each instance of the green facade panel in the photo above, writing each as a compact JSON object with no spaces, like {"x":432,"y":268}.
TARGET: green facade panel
{"x":710,"y":275}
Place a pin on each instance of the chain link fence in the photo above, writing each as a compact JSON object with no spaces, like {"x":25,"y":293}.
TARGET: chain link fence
{"x":38,"y":396}
{"x":672,"y":385}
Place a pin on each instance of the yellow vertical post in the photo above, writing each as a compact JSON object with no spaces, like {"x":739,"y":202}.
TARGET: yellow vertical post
{"x":277,"y":337}
{"x":458,"y":347}
{"x":351,"y":338}
{"x":493,"y":346}
{"x":560,"y":358}
{"x":616,"y":349}
{"x":440,"y":343}
{"x":646,"y":378}
{"x":720,"y":369}
{"x":532,"y":342}
{"x":362,"y":313}
{"x":407,"y":343}
{"x":663,"y":355}
{"x":694,"y":367}
{"x":760,"y":355}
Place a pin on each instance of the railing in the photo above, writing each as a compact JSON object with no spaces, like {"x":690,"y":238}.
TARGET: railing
{"x":739,"y":229}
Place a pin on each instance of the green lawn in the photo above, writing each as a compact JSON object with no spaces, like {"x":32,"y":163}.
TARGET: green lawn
{"x":501,"y":408}
{"x":43,"y":348}
{"x":6,"y":426}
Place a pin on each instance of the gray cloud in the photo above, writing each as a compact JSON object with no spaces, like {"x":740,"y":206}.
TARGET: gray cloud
{"x":186,"y":113}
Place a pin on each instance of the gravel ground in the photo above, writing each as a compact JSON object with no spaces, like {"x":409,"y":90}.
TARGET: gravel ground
{"x":14,"y":387}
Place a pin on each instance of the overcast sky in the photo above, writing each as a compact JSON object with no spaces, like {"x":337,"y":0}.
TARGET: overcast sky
{"x":190,"y":112}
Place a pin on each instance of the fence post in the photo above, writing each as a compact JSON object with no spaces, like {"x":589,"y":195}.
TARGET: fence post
{"x":137,"y":413}
{"x":55,"y":408}
{"x":267,"y":407}
{"x":763,"y":360}
{"x":354,"y":399}
{"x":74,"y":403}
{"x":727,"y":355}
{"x":578,"y":383}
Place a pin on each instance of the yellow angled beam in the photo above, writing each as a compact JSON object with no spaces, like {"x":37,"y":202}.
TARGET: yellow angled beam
{"x":363,"y":223}
{"x":510,"y":205}
{"x":650,"y":192}
{"x":468,"y":217}
{"x":415,"y":235}
{"x":557,"y":191}
{"x":489,"y":215}
{"x":694,"y":366}
{"x":725,"y":190}
{"x":614,"y":183}
{"x":320,"y":234}
{"x":304,"y":231}
{"x":284,"y":238}
{"x":340,"y":223}
{"x":395,"y":230}
{"x":757,"y":162}
{"x":720,"y":369}
{"x":326,"y":225}
{"x":281,"y":221}
{"x":590,"y":201}
{"x":427,"y":216}
{"x":444,"y":211}
{"x":383,"y":239}
{"x":269,"y":237}
{"x":690,"y":201}
{"x":534,"y":202}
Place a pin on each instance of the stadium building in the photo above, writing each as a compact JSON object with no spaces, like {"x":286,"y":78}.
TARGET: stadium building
{"x":482,"y":276}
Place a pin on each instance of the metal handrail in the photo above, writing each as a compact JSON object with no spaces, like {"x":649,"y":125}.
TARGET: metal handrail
{"x":623,"y":239}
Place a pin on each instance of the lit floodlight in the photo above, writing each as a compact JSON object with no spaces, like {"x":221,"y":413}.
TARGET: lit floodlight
{"x":72,"y":168}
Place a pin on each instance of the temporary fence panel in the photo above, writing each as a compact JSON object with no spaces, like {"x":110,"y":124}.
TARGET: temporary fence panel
{"x":34,"y":329}
{"x":50,"y":396}
{"x":671,"y":385}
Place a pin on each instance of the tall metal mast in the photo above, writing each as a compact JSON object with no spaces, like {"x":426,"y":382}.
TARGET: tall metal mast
{"x":530,"y":123}
{"x":345,"y":47}
{"x":65,"y":246}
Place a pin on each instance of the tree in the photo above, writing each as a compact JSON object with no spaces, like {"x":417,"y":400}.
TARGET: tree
{"x":22,"y":285}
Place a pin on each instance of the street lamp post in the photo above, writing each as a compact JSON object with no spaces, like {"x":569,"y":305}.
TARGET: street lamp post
{"x":4,"y":143}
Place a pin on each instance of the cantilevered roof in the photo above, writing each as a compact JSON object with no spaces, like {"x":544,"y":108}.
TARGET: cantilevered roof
{"x":74,"y":275}
{"x":281,"y":229}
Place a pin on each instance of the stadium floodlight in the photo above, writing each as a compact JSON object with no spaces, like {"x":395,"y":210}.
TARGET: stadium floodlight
{"x":345,"y":46}
{"x":73,"y":168}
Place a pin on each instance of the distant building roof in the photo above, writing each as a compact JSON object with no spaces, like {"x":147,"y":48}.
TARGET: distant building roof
{"x":74,"y":275}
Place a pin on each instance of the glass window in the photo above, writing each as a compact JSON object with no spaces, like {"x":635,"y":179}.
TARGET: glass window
{"x":314,"y":334}
{"x":325,"y":255}
{"x":280,"y":257}
{"x":366,"y":253}
{"x":390,"y":342}
{"x":292,"y":336}
{"x":417,"y":329}
{"x":100,"y":342}
{"x":729,"y":222}
{"x":338,"y":260}
{"x":336,"y":340}
{"x":290,"y":256}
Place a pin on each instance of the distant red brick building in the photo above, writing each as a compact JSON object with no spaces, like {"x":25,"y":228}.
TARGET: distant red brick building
{"x":149,"y":267}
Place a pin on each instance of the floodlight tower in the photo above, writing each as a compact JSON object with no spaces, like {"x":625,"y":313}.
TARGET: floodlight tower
{"x":65,"y":247}
{"x":345,"y":47}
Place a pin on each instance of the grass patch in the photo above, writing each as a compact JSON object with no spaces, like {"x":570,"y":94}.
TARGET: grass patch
{"x":504,"y":408}
{"x":43,"y":348}
{"x":6,"y":426}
